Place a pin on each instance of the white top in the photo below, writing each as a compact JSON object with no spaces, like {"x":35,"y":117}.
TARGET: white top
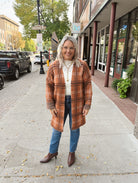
{"x":67,"y":70}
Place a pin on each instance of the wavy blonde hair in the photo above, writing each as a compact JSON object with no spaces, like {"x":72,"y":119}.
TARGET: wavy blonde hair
{"x":59,"y":53}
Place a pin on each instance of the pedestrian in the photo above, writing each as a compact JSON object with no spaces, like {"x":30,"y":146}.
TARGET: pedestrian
{"x":68,"y":92}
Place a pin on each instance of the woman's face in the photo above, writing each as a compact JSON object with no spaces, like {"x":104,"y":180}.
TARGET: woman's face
{"x":68,"y":50}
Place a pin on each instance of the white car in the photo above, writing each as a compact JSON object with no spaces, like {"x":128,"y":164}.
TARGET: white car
{"x":37,"y":59}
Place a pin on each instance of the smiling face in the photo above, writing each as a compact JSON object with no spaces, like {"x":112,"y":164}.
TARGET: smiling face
{"x":68,"y":50}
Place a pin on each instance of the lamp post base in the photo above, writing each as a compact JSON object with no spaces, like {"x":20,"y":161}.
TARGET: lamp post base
{"x":42,"y":70}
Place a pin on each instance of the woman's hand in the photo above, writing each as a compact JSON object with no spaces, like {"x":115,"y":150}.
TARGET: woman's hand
{"x":85,"y":112}
{"x":53,"y":112}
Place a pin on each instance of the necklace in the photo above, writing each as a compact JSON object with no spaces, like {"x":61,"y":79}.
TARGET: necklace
{"x":68,"y":67}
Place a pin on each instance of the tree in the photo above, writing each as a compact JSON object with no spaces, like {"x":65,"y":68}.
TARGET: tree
{"x":17,"y":41}
{"x":30,"y":45}
{"x":1,"y":46}
{"x":53,"y":15}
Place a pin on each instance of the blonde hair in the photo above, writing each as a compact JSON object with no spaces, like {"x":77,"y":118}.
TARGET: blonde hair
{"x":59,"y":53}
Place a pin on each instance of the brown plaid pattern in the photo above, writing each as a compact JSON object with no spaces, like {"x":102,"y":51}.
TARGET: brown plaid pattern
{"x":81,"y":94}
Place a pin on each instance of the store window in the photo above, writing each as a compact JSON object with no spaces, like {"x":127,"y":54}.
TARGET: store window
{"x":106,"y":44}
{"x":133,"y":41}
{"x":113,"y":57}
{"x":121,"y":46}
{"x":101,"y":58}
{"x":123,"y":26}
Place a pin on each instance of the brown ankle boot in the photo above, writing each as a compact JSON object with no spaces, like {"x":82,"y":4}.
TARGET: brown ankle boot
{"x":71,"y":158}
{"x":47,"y":158}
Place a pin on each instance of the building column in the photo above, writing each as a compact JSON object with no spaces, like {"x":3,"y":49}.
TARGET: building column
{"x":88,"y":45}
{"x":94,"y":47}
{"x":82,"y":46}
{"x":111,"y":32}
{"x":79,"y":46}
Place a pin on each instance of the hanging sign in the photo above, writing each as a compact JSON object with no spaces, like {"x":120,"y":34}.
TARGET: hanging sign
{"x":76,"y":28}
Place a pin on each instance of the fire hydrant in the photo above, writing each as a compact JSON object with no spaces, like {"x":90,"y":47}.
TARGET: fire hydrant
{"x":48,"y":63}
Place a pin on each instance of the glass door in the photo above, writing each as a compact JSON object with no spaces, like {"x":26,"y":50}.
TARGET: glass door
{"x":119,"y":58}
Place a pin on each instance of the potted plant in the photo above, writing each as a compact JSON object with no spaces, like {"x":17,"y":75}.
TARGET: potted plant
{"x":123,"y":87}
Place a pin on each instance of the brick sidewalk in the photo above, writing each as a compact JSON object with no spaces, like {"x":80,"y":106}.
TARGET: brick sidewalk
{"x":127,"y":106}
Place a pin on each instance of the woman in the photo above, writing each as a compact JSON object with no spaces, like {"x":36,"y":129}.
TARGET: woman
{"x":68,"y":91}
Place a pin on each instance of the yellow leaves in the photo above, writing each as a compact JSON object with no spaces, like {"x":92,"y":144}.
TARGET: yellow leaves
{"x":51,"y":177}
{"x":8,"y":151}
{"x":58,"y":167}
{"x":91,"y":156}
{"x":24,"y":160}
{"x":21,"y":170}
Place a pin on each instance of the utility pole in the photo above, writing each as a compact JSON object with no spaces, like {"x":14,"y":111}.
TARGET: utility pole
{"x":38,"y":10}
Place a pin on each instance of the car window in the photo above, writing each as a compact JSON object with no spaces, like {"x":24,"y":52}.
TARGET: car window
{"x":20,"y":55}
{"x":8,"y":55}
{"x":37,"y":56}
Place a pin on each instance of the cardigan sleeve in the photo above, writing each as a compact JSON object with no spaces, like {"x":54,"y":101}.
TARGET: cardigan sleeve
{"x":87,"y":86}
{"x":50,"y":88}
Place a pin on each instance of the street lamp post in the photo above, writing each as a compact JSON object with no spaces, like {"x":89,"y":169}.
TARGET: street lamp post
{"x":41,"y":67}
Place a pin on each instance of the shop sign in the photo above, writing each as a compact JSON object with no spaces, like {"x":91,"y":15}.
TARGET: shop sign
{"x":76,"y":28}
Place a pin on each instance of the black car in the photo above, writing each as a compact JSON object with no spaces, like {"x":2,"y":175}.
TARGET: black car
{"x":1,"y":81}
{"x":47,"y":55}
{"x":12,"y":63}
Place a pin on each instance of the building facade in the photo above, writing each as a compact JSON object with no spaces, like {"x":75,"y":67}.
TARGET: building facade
{"x":8,"y":32}
{"x":108,"y":39}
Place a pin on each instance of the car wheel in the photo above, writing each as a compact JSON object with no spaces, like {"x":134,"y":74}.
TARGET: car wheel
{"x":1,"y":82}
{"x":16,"y":73}
{"x":29,"y":68}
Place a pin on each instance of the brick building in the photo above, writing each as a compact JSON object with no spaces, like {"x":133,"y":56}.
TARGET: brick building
{"x":108,"y":37}
{"x":8,"y":32}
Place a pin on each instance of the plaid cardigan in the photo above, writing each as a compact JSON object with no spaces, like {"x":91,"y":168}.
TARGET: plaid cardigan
{"x":81,"y":94}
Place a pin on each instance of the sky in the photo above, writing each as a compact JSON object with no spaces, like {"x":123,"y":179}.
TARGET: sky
{"x":6,"y":8}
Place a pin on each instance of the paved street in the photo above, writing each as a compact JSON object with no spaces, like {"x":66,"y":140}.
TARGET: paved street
{"x":16,"y":89}
{"x":107,"y":150}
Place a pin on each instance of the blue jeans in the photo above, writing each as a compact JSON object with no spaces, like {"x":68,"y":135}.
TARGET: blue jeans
{"x":74,"y":134}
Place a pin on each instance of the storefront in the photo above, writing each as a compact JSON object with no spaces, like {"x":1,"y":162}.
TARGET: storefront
{"x":125,"y":43}
{"x":108,"y":39}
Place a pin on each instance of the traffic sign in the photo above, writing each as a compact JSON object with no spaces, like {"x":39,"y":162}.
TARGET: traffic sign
{"x":38,"y":27}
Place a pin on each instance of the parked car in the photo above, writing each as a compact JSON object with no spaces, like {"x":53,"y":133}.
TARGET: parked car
{"x":47,"y":54}
{"x":29,"y":54}
{"x":37,"y":59}
{"x":12,"y":63}
{"x":1,"y":81}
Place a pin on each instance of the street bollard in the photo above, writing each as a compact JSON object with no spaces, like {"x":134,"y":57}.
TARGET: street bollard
{"x":48,"y":63}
